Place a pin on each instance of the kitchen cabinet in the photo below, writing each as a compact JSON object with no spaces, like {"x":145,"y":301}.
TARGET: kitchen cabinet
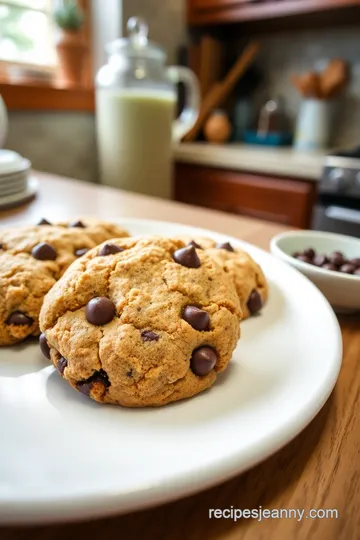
{"x":281,"y":200}
{"x":204,"y":12}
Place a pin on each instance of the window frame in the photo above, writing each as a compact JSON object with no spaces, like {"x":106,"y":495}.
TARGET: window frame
{"x":48,"y":94}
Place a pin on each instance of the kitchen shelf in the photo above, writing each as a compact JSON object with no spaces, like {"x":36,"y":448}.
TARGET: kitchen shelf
{"x":210,"y":12}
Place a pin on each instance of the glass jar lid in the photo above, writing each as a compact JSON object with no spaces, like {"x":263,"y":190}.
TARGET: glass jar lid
{"x":137,"y":44}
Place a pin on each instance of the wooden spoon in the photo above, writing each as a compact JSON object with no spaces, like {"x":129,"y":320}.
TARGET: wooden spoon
{"x":333,"y":78}
{"x":220,"y":91}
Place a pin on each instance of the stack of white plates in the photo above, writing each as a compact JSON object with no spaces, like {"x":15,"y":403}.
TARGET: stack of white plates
{"x":16,"y":185}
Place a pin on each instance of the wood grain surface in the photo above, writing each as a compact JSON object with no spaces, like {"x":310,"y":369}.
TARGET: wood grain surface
{"x":320,"y":469}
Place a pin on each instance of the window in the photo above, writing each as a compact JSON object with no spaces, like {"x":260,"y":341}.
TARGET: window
{"x":27,"y":33}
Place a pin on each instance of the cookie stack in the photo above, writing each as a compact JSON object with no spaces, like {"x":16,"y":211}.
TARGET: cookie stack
{"x":32,"y":259}
{"x":133,"y":321}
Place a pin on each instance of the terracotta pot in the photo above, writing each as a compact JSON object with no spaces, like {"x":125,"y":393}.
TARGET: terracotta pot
{"x":71,"y":51}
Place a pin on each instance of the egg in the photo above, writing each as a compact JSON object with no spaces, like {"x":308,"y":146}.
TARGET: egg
{"x":217,"y":128}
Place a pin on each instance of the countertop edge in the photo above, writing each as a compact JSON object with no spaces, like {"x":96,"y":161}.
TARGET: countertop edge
{"x":271,"y":162}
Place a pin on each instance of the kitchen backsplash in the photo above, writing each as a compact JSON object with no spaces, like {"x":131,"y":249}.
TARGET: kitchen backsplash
{"x":298,"y":51}
{"x":60,"y":143}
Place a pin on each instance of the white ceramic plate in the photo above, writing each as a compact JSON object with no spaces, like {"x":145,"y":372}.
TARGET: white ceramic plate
{"x":23,"y":196}
{"x":64,"y":457}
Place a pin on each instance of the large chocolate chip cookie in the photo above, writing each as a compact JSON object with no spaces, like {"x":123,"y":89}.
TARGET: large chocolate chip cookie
{"x":141,"y":322}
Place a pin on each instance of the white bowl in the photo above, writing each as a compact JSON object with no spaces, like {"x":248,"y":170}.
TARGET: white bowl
{"x":341,"y":290}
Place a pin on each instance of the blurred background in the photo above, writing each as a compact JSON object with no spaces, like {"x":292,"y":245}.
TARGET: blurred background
{"x":296,"y":103}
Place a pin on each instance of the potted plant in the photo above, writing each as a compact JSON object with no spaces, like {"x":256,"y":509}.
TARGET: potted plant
{"x":70,"y":45}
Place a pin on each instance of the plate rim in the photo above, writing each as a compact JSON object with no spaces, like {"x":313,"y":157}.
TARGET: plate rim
{"x":106,"y":503}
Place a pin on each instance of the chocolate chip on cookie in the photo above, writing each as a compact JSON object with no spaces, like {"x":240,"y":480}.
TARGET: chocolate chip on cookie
{"x":109,"y":249}
{"x":225,"y":245}
{"x":187,"y":256}
{"x":100,"y":311}
{"x":254,"y":302}
{"x":99,"y":377}
{"x":148,"y":335}
{"x":43,"y":252}
{"x":194,"y":244}
{"x":61,"y":365}
{"x":44,"y":221}
{"x":77,"y":223}
{"x":80,"y":252}
{"x":19,"y":319}
{"x":1,"y":246}
{"x":197,"y":318}
{"x":44,"y":346}
{"x":203,"y":361}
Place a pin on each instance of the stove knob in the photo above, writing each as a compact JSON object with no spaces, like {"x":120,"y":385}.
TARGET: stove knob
{"x":338,"y":179}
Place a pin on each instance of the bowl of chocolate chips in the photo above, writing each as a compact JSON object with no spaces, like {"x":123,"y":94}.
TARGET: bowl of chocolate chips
{"x":331,"y":261}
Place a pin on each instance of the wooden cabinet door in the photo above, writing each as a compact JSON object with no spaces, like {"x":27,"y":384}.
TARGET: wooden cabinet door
{"x":289,"y":202}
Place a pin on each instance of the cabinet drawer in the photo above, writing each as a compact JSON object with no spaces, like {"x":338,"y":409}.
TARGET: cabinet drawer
{"x":288,"y":202}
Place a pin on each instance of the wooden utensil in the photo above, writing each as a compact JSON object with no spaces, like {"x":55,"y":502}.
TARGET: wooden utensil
{"x":211,"y":56}
{"x":220,"y":91}
{"x":333,"y":78}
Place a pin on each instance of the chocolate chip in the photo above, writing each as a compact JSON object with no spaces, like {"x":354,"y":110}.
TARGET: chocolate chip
{"x":44,"y":221}
{"x":100,"y":311}
{"x":337,"y":258}
{"x":109,"y":249}
{"x":1,"y":246}
{"x":129,"y":373}
{"x":254,"y":303}
{"x":347,"y":268}
{"x":194,"y":244}
{"x":355,"y":262}
{"x":187,"y":256}
{"x":329,"y":266}
{"x":305,"y":259}
{"x":44,"y":346}
{"x":80,"y":252}
{"x":78,"y":224}
{"x":203,"y":360}
{"x":197,"y":318}
{"x":99,"y":377}
{"x":61,"y":364}
{"x":148,"y":335}
{"x":19,"y":319}
{"x":225,"y":245}
{"x":43,"y":252}
{"x":320,"y":260}
{"x":309,"y":252}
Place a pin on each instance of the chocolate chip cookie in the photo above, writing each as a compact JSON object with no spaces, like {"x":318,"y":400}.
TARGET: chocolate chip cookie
{"x":141,"y":322}
{"x":247,"y":275}
{"x":32,"y":258}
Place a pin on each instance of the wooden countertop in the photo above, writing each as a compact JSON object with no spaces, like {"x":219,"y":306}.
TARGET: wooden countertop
{"x":320,"y":469}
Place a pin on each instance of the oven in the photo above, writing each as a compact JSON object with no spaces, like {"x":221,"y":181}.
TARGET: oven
{"x":338,"y":205}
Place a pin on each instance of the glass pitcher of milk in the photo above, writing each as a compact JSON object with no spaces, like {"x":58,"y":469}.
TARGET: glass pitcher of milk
{"x":135,"y":112}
